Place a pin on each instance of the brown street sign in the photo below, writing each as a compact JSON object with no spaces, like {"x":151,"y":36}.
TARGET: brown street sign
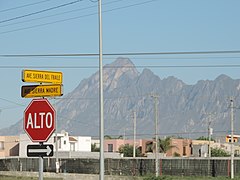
{"x":42,"y":91}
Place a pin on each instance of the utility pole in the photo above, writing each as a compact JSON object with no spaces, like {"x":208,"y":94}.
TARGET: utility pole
{"x":210,"y":132}
{"x":101,"y":123}
{"x":156,"y":135}
{"x":209,"y":140}
{"x":232,"y":143}
{"x":134,"y":134}
{"x":56,"y":142}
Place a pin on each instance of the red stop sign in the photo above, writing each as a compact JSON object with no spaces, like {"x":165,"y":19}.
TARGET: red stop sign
{"x":39,"y":120}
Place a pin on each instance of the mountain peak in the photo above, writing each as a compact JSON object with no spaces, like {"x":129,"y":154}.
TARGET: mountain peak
{"x":223,"y":77}
{"x":122,"y":62}
{"x":121,"y":68}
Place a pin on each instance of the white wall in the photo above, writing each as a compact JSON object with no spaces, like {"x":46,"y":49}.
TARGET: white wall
{"x":63,"y":142}
{"x":84,"y":144}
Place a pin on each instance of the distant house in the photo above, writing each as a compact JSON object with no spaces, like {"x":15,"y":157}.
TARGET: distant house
{"x":113,"y":145}
{"x":180,"y":147}
{"x":235,"y":138}
{"x":9,"y":146}
{"x":200,"y":148}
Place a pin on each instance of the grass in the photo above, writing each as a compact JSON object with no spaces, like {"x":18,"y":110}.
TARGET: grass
{"x":145,"y":178}
{"x":188,"y":178}
{"x":25,"y":178}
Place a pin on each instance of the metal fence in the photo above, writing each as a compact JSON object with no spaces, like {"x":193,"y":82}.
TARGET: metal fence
{"x":128,"y":166}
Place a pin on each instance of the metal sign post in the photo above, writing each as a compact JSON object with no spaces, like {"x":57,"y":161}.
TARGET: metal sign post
{"x":40,"y":177}
{"x":39,"y":116}
{"x":40,"y":168}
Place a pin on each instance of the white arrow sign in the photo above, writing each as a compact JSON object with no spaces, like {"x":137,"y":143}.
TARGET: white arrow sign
{"x":47,"y":151}
{"x":39,"y":150}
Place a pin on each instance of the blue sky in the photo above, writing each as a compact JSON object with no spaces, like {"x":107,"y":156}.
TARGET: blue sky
{"x":128,"y":26}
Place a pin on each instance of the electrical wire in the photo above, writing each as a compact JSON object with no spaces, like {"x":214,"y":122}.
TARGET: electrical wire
{"x":23,"y":6}
{"x":171,"y":134}
{"x":73,"y":18}
{"x":44,"y":17}
{"x":38,"y":12}
{"x":124,"y":54}
{"x":58,"y":14}
{"x":167,"y":133}
{"x":45,"y":24}
{"x":10,"y":107}
{"x":127,"y":67}
{"x":149,"y":58}
{"x":11,"y":102}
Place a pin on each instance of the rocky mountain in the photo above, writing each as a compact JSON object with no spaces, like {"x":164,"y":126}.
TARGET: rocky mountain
{"x":183,"y":110}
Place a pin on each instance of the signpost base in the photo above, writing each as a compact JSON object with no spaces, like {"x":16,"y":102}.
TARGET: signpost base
{"x":57,"y":167}
{"x":40,"y":168}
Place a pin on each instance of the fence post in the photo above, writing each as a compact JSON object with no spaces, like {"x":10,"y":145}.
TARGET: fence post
{"x":213,"y":169}
{"x":160,"y":170}
{"x":228,"y":168}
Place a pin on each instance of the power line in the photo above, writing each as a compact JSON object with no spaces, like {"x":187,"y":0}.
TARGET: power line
{"x":38,"y":12}
{"x":45,"y":24}
{"x":160,"y":57}
{"x":126,"y":67}
{"x":185,"y":58}
{"x":10,"y":107}
{"x":168,"y":133}
{"x":26,"y":5}
{"x":151,"y":58}
{"x":93,"y":1}
{"x":73,"y":18}
{"x":53,"y":15}
{"x":11,"y":102}
{"x":107,"y":98}
{"x":123,"y":54}
{"x":132,"y":5}
{"x":171,"y":134}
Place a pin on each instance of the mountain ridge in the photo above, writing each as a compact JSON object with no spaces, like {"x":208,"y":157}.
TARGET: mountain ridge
{"x":182,"y":108}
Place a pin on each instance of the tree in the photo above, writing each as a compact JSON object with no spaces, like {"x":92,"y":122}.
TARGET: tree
{"x":94,"y":148}
{"x":163,"y":144}
{"x":120,"y":137}
{"x":127,"y":151}
{"x":110,"y":137}
{"x":204,"y":138}
{"x":107,"y":137}
{"x":175,"y":154}
{"x":217,"y":152}
{"x":149,"y":146}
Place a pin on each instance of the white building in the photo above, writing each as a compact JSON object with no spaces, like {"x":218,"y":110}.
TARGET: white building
{"x":65,"y":143}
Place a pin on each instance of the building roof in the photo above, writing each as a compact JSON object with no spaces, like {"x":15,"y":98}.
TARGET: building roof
{"x":72,"y":139}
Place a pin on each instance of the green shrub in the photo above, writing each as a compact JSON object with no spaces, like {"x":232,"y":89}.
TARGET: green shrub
{"x":157,"y":178}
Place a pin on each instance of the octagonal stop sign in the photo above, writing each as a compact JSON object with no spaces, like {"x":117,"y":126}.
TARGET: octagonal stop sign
{"x":39,"y":120}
